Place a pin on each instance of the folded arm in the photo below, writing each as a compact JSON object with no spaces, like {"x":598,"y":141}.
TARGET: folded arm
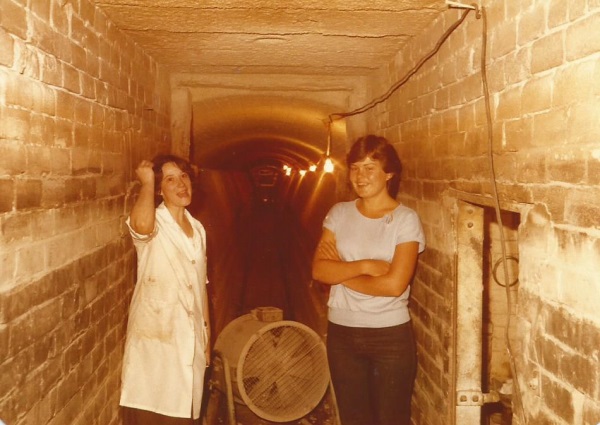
{"x":328,"y":267}
{"x":395,"y":281}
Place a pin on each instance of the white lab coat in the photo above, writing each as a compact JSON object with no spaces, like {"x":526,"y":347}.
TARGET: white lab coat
{"x":164,"y":361}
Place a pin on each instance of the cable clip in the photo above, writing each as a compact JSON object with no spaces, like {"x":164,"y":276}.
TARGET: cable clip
{"x":458,"y":5}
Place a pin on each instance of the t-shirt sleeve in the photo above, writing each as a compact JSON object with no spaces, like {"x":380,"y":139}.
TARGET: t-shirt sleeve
{"x":332,"y":218}
{"x":411,"y":230}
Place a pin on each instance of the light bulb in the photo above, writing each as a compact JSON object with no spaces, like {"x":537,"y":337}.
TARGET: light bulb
{"x":328,"y":166}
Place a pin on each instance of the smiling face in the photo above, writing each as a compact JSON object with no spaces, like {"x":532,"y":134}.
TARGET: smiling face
{"x":175,"y":186}
{"x":368,"y":178}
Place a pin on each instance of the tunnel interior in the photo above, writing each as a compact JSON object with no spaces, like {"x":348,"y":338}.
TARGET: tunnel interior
{"x":89,"y":88}
{"x":262,"y":193}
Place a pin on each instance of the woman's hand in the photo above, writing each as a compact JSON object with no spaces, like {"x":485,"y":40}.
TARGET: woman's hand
{"x":330,"y":269}
{"x":376,"y":267}
{"x":327,"y":250}
{"x":145,"y":173}
{"x":207,"y":354}
{"x":142,"y":213}
{"x":395,"y":280}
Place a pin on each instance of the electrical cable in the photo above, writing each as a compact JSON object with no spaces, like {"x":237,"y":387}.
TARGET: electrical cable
{"x":410,"y":73}
{"x":397,"y":85}
{"x":493,"y":180}
{"x":503,"y":262}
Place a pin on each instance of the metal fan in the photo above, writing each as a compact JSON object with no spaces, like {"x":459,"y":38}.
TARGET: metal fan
{"x":278,"y":368}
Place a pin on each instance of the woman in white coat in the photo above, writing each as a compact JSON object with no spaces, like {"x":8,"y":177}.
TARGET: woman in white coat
{"x":167,"y":345}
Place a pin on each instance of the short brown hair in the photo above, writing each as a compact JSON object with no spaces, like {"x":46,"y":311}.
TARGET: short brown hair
{"x":379,"y":149}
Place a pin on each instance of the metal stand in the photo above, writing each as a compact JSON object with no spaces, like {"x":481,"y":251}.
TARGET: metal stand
{"x":221,"y":384}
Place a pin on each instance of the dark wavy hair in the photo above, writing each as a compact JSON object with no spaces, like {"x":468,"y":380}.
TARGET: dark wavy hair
{"x":378,"y":148}
{"x":157,"y":165}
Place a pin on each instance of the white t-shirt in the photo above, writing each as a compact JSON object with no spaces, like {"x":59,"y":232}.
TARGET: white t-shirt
{"x":358,"y":238}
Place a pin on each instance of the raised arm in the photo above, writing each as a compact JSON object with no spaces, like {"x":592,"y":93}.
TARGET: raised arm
{"x":396,"y":280}
{"x":143,"y":213}
{"x":328,"y":268}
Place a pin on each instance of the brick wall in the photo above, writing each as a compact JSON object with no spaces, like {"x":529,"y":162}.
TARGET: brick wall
{"x":80,"y":105}
{"x":544,"y":79}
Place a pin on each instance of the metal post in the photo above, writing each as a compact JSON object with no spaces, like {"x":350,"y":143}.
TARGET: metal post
{"x":469,"y":316}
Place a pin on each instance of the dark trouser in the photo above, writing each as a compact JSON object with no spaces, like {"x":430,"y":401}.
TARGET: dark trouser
{"x":373,"y":372}
{"x":144,"y":417}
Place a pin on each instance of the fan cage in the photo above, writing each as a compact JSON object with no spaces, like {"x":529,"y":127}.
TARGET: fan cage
{"x":278,"y":368}
{"x":282,"y":374}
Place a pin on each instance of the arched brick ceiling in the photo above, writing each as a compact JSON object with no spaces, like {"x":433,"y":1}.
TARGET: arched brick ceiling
{"x":265,"y":74}
{"x":238,"y":129}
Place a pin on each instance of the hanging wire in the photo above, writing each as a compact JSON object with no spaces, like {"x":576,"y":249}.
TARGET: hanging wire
{"x":400,"y":83}
{"x":410,"y":73}
{"x":329,"y":122}
{"x":493,"y":180}
{"x":503,"y":262}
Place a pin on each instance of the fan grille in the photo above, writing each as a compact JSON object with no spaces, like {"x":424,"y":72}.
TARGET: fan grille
{"x":283,"y":373}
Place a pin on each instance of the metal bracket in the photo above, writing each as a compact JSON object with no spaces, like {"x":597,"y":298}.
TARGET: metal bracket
{"x":476,"y":398}
{"x":459,"y":5}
